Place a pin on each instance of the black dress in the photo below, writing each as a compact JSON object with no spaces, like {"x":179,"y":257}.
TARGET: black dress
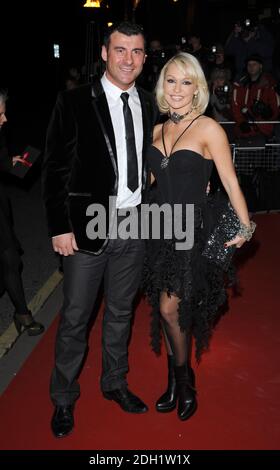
{"x":199,"y":284}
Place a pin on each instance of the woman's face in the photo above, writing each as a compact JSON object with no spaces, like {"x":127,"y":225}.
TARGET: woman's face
{"x":3,"y":118}
{"x":178,"y":89}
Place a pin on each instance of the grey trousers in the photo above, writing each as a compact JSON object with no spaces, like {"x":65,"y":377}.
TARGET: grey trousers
{"x":121,"y":267}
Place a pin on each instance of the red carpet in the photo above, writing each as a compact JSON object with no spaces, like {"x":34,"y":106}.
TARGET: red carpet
{"x":237,"y":380}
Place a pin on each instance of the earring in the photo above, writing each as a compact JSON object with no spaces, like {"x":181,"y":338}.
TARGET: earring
{"x":195,"y":100}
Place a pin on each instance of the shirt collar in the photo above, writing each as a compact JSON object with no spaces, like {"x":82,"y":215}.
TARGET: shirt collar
{"x":114,"y":91}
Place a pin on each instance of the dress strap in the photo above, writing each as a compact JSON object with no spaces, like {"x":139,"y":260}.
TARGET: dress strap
{"x":163,"y":140}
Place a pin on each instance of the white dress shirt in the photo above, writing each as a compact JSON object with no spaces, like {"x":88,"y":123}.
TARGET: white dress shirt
{"x":125,"y":197}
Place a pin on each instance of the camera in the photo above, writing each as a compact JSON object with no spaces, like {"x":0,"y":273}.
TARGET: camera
{"x":259,"y":108}
{"x":247,"y":26}
{"x":222,"y":94}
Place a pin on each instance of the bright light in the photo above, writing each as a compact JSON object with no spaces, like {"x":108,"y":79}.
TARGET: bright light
{"x":109,"y":24}
{"x":135,"y":4}
{"x":92,"y":4}
{"x":56,"y":53}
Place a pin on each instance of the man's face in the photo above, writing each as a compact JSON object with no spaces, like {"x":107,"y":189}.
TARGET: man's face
{"x":194,"y":42}
{"x":124,"y":59}
{"x":219,"y":82}
{"x":3,"y":118}
{"x":254,"y":68}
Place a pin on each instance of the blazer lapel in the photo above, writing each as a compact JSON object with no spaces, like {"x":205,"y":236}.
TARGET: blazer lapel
{"x":103,"y":108}
{"x":146,"y":121}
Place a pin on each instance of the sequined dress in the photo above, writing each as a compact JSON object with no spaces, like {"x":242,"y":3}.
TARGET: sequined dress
{"x":199,"y":284}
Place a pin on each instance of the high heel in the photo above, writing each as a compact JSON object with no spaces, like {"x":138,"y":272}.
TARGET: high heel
{"x":187,"y":403}
{"x":27,"y":322}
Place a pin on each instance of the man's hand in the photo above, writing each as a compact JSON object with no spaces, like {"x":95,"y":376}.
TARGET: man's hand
{"x":65,"y":244}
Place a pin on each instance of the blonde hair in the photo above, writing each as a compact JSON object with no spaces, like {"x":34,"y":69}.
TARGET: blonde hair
{"x":189,"y":65}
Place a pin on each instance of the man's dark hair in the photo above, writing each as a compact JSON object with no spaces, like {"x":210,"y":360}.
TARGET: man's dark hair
{"x":124,"y":27}
{"x":3,"y":95}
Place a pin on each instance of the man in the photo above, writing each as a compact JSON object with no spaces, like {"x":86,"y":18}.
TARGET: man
{"x":254,"y":99}
{"x":88,"y":158}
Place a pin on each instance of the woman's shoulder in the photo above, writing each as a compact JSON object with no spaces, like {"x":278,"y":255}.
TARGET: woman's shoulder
{"x":209,"y":124}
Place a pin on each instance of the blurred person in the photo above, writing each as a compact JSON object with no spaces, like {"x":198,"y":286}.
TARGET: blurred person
{"x":220,"y":89}
{"x":196,"y":48}
{"x":254,"y":99}
{"x":249,"y":37}
{"x":10,"y":261}
{"x":220,"y":61}
{"x":73,"y":78}
{"x":156,"y":58}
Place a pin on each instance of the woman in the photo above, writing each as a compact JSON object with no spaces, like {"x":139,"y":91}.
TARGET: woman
{"x":10,"y":262}
{"x":184,"y":288}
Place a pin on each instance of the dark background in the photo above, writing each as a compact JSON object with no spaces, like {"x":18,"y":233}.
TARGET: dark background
{"x":29,"y":30}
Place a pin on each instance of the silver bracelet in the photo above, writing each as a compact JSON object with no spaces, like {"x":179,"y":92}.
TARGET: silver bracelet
{"x":247,"y":232}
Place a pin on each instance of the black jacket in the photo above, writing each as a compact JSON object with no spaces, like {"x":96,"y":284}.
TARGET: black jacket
{"x":7,"y":235}
{"x":78,"y":169}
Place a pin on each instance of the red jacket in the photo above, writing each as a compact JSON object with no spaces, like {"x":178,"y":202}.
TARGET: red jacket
{"x":245,"y":100}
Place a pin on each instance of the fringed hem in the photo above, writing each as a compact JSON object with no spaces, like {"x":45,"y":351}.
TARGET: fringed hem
{"x":199,"y":284}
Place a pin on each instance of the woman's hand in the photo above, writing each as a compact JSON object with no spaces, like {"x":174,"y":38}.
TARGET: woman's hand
{"x":238,"y":241}
{"x":16,"y":159}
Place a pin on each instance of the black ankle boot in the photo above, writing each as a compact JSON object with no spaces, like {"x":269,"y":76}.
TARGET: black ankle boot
{"x":167,"y":401}
{"x":26,"y":322}
{"x":187,"y":403}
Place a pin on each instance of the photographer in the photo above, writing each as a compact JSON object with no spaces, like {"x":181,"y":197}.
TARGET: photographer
{"x":218,"y":60}
{"x":156,"y":58}
{"x":254,"y":99}
{"x":201,"y":53}
{"x":220,"y":89}
{"x":247,"y":38}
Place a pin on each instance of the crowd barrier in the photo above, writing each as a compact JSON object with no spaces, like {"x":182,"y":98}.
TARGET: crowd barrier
{"x":258,"y":170}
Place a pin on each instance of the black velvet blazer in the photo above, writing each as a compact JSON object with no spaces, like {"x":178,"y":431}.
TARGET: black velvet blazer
{"x":78,"y":169}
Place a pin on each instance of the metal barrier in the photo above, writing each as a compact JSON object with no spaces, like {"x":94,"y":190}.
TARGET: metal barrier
{"x":258,"y":171}
{"x":257,"y":165}
{"x":248,"y":159}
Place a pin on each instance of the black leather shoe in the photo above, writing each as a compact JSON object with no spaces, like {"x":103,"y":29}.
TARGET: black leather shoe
{"x":127,"y":400}
{"x":62,"y":421}
{"x":26,"y":322}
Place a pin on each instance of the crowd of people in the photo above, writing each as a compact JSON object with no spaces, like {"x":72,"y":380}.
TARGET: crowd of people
{"x":243,"y":78}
